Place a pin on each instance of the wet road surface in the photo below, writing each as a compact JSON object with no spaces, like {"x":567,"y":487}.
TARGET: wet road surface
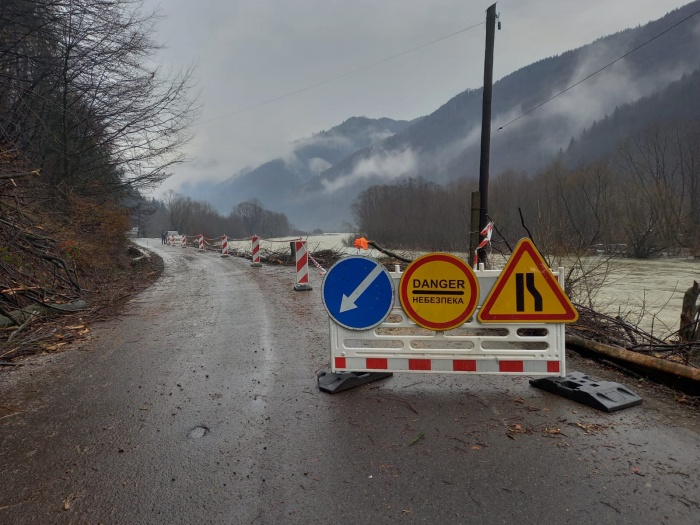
{"x":199,"y":405}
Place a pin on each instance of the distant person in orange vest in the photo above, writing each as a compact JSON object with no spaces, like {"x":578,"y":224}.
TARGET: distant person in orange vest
{"x":163,"y":238}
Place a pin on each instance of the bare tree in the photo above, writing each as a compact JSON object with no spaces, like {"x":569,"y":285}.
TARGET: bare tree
{"x":256,"y":219}
{"x":178,"y":210}
{"x":82,"y":98}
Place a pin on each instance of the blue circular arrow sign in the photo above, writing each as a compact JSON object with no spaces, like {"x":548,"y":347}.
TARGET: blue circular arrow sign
{"x":358,"y":292}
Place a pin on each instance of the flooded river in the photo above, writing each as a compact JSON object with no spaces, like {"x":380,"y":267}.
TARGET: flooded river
{"x":656,"y":286}
{"x":653,"y":288}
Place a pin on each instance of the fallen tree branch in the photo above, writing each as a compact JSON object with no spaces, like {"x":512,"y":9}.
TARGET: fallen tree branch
{"x":394,"y":397}
{"x":499,"y":233}
{"x":522,"y":222}
{"x":20,"y":289}
{"x":643,"y":361}
{"x":41,"y":310}
{"x":7,"y":314}
{"x":22,"y":326}
{"x":390,"y":254}
{"x":60,"y":262}
{"x":17,"y":175}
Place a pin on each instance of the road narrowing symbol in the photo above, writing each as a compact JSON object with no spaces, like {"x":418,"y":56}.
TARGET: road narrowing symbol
{"x":520,"y":292}
{"x":358,"y":293}
{"x":439,"y":291}
{"x":526,"y":290}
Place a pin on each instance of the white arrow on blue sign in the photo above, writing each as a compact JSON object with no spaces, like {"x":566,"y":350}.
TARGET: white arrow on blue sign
{"x":358,"y":293}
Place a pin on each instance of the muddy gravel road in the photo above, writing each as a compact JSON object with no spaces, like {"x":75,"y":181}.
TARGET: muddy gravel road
{"x":199,"y":405}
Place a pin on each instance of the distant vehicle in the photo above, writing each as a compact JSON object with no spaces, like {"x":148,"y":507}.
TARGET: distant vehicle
{"x":133,"y":232}
{"x":172,"y":232}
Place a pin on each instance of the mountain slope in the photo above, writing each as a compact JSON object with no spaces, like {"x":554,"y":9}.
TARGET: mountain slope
{"x":444,"y":145}
{"x":273,"y":181}
{"x":679,"y":100}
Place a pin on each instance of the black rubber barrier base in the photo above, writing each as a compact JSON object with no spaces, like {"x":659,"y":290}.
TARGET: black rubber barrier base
{"x":339,"y":381}
{"x":256,"y":265}
{"x":602,"y":395}
{"x":303,"y":287}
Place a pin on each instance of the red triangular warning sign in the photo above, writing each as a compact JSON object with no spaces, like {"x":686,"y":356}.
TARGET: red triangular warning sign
{"x":527,"y":291}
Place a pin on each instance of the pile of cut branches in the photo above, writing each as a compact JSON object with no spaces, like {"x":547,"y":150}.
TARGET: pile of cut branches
{"x":326,"y":258}
{"x":64,"y":262}
{"x":616,"y":331}
{"x":285,"y":257}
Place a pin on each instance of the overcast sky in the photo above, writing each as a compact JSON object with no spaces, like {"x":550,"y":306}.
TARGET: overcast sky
{"x":250,"y":51}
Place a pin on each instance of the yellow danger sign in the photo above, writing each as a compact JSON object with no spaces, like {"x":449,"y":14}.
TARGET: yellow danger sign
{"x":439,"y":291}
{"x":526,"y":291}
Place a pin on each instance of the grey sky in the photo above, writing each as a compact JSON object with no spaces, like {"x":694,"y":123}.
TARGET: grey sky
{"x":250,"y":51}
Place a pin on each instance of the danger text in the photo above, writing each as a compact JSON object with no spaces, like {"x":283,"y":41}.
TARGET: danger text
{"x":445,"y":284}
{"x":438,"y":300}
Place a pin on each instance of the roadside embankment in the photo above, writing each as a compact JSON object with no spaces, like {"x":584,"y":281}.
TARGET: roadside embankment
{"x":62,"y":269}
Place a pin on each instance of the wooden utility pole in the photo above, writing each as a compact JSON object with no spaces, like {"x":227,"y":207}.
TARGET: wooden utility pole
{"x":486,"y":125}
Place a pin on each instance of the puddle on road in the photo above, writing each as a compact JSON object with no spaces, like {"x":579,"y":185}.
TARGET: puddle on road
{"x":198,"y":432}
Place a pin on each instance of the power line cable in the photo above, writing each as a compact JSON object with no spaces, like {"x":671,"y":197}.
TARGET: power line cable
{"x":598,"y":71}
{"x":339,"y":76}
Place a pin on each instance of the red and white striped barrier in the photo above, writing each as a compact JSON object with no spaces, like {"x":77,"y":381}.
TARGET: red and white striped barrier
{"x":169,"y":240}
{"x":486,"y":233}
{"x":201,"y":243}
{"x":302,"y":284}
{"x":321,"y":269}
{"x":183,"y":241}
{"x":256,"y":252}
{"x":224,"y":246}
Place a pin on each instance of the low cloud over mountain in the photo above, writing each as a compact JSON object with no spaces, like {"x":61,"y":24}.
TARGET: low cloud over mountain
{"x":317,"y":182}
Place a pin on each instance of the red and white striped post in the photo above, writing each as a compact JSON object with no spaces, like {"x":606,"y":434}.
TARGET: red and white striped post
{"x":256,"y":252}
{"x":224,"y":246}
{"x":302,"y":284}
{"x":487,"y":232}
{"x":183,"y":241}
{"x":169,"y":240}
{"x":201,"y":244}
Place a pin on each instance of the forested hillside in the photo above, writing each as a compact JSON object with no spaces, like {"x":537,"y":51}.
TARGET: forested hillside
{"x":678,"y":100}
{"x":640,"y":200}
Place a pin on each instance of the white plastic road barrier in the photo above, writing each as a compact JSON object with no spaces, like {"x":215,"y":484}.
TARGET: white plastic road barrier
{"x":224,"y":246}
{"x":256,"y":252}
{"x":201,"y":242}
{"x":183,"y":240}
{"x":302,"y":257}
{"x":400,"y":345}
